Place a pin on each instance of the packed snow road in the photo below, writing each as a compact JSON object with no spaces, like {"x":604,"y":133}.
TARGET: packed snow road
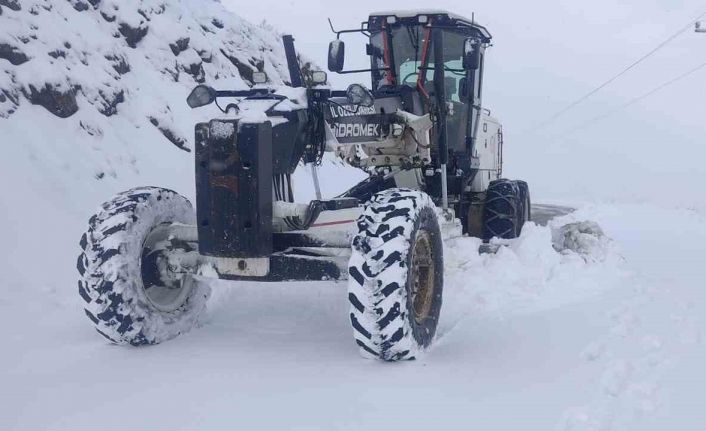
{"x":529,"y":339}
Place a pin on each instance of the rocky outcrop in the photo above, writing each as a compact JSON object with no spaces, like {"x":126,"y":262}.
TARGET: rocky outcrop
{"x":61,"y":103}
{"x":12,"y":54}
{"x":132,"y":35}
{"x":11,"y":4}
{"x":180,"y":45}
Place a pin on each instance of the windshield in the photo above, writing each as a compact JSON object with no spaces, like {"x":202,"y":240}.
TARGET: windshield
{"x":408,"y":53}
{"x":407,"y":44}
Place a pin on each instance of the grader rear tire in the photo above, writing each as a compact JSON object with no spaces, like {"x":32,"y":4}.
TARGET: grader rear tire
{"x":501,"y":210}
{"x":507,"y":208}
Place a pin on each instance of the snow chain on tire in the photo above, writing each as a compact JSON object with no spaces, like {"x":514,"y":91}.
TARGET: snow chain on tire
{"x":110,"y":269}
{"x":381,"y":275}
{"x":525,"y":210}
{"x":501,"y":212}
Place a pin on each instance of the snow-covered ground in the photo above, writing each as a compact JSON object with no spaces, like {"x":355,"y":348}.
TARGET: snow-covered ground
{"x":530,"y":338}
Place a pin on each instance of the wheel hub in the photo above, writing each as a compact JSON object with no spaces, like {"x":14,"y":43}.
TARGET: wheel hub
{"x":422,"y":277}
{"x":165,"y":279}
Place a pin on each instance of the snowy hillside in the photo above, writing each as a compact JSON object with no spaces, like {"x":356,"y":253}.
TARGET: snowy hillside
{"x":104,"y":55}
{"x":586,"y":333}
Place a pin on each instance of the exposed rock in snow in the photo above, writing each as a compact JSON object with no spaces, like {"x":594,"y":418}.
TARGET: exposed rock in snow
{"x":12,"y":4}
{"x":59,"y":99}
{"x":12,"y":54}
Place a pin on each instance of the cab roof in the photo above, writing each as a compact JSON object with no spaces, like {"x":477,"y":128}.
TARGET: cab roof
{"x":446,"y":17}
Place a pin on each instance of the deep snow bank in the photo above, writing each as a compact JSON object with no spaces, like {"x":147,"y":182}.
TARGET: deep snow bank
{"x":531,"y":272}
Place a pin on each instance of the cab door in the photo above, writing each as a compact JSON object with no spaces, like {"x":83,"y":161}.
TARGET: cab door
{"x":457,"y":117}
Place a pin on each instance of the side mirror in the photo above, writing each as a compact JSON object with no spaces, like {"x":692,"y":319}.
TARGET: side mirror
{"x":336,"y":54}
{"x":202,"y":95}
{"x":471,"y":54}
{"x":359,"y":95}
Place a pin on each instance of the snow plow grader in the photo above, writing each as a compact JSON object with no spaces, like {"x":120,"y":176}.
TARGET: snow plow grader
{"x":433,"y":156}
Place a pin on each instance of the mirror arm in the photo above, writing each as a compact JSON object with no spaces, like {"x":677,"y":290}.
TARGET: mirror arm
{"x":234,"y":93}
{"x":343,"y":72}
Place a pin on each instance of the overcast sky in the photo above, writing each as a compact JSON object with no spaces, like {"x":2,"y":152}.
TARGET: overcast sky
{"x":545,"y":55}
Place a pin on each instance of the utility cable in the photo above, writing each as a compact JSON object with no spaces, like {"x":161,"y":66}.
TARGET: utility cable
{"x":630,"y":102}
{"x":615,"y":77}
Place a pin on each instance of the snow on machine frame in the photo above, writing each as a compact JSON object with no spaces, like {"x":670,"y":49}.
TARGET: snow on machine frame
{"x":434,"y":159}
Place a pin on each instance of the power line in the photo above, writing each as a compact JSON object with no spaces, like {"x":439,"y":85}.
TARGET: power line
{"x":630,"y":102}
{"x":615,"y":77}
